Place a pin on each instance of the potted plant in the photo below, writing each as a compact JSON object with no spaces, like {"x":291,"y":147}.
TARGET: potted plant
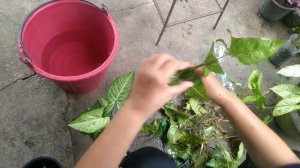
{"x":287,"y":110}
{"x":290,"y":49}
{"x":292,"y":19}
{"x":274,"y":10}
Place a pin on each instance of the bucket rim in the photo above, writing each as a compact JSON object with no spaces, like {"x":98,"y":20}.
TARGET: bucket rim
{"x":102,"y":67}
{"x":283,"y":7}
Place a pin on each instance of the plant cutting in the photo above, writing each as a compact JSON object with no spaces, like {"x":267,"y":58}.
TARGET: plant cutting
{"x":190,"y":128}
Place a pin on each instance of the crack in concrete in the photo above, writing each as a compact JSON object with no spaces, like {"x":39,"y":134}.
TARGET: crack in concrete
{"x":67,"y":108}
{"x":131,"y":8}
{"x":23,"y":78}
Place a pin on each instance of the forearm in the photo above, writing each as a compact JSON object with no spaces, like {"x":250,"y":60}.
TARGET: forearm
{"x":110,"y":148}
{"x":264,"y":146}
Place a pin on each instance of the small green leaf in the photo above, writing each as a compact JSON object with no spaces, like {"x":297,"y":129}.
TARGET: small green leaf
{"x":267,"y":119}
{"x":240,"y":153}
{"x":212,"y":63}
{"x":286,"y":90}
{"x":173,"y":132}
{"x":118,"y":93}
{"x":210,"y":132}
{"x":255,"y":80}
{"x":221,"y":158}
{"x":254,"y":84}
{"x":287,"y":105}
{"x":148,"y":128}
{"x":290,"y":71}
{"x":253,"y":50}
{"x":90,"y":122}
{"x":189,"y":138}
{"x":195,"y":106}
{"x":170,"y":110}
{"x":250,"y":99}
{"x":179,"y":151}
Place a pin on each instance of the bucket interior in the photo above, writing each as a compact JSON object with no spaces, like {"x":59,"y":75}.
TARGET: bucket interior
{"x":68,"y":38}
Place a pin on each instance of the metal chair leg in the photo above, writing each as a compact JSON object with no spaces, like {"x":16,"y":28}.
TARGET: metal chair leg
{"x":221,"y":14}
{"x":166,"y":22}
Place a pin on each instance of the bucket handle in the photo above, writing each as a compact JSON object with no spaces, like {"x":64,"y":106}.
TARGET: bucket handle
{"x":103,"y":8}
{"x":25,"y":58}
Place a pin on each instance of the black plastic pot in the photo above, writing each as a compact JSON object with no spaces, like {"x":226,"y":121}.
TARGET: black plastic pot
{"x":281,"y":56}
{"x":290,"y":124}
{"x":271,"y":10}
{"x":291,"y":20}
{"x":43,"y":162}
{"x":286,"y":52}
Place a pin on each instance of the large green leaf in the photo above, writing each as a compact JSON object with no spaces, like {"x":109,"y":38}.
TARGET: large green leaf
{"x":290,"y":71}
{"x":286,"y":90}
{"x":196,"y":108}
{"x":212,"y":63}
{"x":287,"y":105}
{"x":184,"y":75}
{"x":253,"y":50}
{"x":90,"y":122}
{"x":118,"y":93}
{"x":197,"y":91}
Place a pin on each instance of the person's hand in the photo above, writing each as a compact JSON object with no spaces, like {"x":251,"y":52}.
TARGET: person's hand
{"x":214,"y":89}
{"x":151,"y":89}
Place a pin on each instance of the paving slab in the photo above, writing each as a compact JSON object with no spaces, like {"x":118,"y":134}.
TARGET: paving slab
{"x":32,"y":123}
{"x":12,"y":15}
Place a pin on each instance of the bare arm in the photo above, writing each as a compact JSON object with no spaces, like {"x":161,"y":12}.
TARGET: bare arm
{"x":150,"y":91}
{"x":265,"y":147}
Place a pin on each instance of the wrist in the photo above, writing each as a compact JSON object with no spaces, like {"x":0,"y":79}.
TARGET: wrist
{"x":134,"y":111}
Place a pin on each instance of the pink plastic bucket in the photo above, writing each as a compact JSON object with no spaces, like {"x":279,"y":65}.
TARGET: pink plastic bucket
{"x":71,"y":42}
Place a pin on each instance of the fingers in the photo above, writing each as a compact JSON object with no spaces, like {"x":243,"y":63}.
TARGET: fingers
{"x":200,"y":71}
{"x":170,"y":68}
{"x":180,"y":88}
{"x":164,"y":64}
{"x":160,"y":60}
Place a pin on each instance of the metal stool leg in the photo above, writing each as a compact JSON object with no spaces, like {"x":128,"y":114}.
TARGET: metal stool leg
{"x":166,"y":22}
{"x":221,"y":14}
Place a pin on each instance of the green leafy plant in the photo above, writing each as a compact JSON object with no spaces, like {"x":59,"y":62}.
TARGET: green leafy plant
{"x":191,"y":130}
{"x":289,"y":93}
{"x":93,"y":120}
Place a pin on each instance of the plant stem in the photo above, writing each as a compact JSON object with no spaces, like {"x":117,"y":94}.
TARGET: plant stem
{"x":203,"y":64}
